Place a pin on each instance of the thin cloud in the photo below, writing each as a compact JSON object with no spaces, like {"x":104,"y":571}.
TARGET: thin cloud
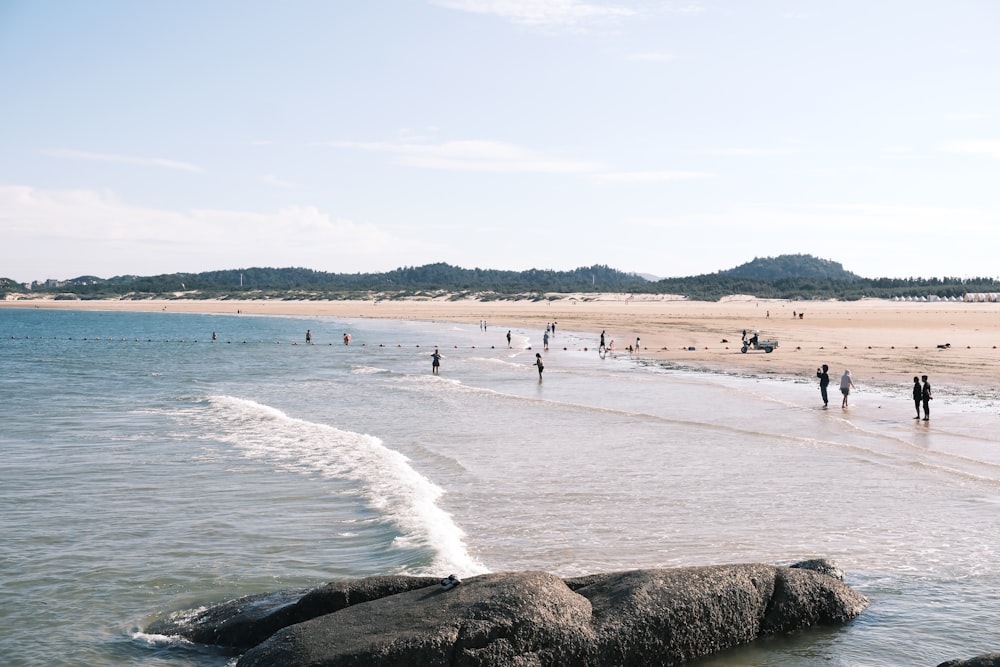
{"x":541,"y":13}
{"x":481,"y":156}
{"x":744,"y":152}
{"x":274,"y":181}
{"x":967,"y":116}
{"x":650,"y":176}
{"x":988,"y":147}
{"x":652,"y":57}
{"x":125,"y":159}
{"x":502,"y":157}
{"x":66,"y":233}
{"x":899,"y":153}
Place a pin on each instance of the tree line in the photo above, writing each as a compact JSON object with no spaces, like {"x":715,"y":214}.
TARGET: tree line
{"x":786,"y":277}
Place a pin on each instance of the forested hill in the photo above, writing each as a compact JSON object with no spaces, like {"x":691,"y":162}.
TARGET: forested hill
{"x":782,"y":277}
{"x":791,"y":266}
{"x":307,"y":283}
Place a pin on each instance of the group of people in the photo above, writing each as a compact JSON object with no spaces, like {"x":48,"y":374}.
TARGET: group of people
{"x":436,"y":355}
{"x":309,"y":337}
{"x":921,"y":392}
{"x":922,"y":396}
{"x":846,"y":384}
{"x":603,"y":347}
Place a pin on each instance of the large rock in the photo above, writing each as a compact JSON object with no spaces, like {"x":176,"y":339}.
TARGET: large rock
{"x":672,"y":615}
{"x":250,"y":620}
{"x":530,"y":619}
{"x":982,"y":660}
{"x":517,"y":619}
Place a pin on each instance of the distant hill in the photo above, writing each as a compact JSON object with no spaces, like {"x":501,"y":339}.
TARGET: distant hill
{"x":791,"y":266}
{"x":782,"y":277}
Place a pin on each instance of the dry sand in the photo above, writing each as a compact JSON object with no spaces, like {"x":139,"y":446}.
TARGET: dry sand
{"x":881,"y":341}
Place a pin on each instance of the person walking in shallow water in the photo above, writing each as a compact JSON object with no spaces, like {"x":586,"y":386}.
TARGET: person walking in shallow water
{"x":435,"y":361}
{"x":824,"y":382}
{"x":541,"y":366}
{"x":846,"y":384}
{"x":918,"y":394}
{"x":925,"y":397}
{"x":508,"y":338}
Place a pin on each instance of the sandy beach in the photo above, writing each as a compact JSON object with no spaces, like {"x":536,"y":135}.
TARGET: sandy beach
{"x":882,"y":341}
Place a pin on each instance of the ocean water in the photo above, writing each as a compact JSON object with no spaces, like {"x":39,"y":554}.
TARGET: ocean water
{"x":146,"y":469}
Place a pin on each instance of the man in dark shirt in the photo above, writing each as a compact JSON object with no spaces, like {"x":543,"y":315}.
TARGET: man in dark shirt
{"x":824,"y":382}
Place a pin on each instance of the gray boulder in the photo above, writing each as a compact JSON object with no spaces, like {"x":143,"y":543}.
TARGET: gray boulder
{"x":250,"y":620}
{"x":827,"y":567}
{"x":519,"y":619}
{"x":982,"y":660}
{"x":672,"y":615}
{"x":531,"y":619}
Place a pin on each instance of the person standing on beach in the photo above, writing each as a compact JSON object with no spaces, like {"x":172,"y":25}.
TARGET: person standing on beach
{"x":925,"y":397}
{"x":824,"y":382}
{"x":601,"y":347}
{"x":541,"y":366}
{"x":508,"y":338}
{"x":637,"y":345}
{"x":435,"y":361}
{"x":846,"y":384}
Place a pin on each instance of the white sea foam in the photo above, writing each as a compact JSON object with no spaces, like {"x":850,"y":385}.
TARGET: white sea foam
{"x":387,"y":480}
{"x":158,"y":640}
{"x":367,"y":370}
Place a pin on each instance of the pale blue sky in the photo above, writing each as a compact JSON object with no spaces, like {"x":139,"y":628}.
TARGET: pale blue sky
{"x":671,"y":138}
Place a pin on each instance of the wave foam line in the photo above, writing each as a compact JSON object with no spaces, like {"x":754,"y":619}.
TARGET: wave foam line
{"x":386,"y":479}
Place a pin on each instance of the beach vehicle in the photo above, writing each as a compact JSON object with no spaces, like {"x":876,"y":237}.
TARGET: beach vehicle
{"x":754,"y":342}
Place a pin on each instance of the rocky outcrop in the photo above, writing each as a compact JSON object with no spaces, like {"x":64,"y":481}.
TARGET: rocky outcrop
{"x":672,"y":615}
{"x":983,"y":660}
{"x":250,"y":620}
{"x":524,"y":619}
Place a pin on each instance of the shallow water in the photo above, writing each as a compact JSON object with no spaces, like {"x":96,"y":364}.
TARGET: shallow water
{"x":147,"y":470}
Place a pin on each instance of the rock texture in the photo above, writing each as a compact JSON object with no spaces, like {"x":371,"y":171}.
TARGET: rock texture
{"x":983,"y":660}
{"x":250,"y":620}
{"x":525,"y":619}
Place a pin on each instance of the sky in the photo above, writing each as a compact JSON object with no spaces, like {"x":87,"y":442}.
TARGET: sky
{"x":666,"y":138}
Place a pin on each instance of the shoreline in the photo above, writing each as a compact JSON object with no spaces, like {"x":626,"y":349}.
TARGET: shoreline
{"x":881,"y":341}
